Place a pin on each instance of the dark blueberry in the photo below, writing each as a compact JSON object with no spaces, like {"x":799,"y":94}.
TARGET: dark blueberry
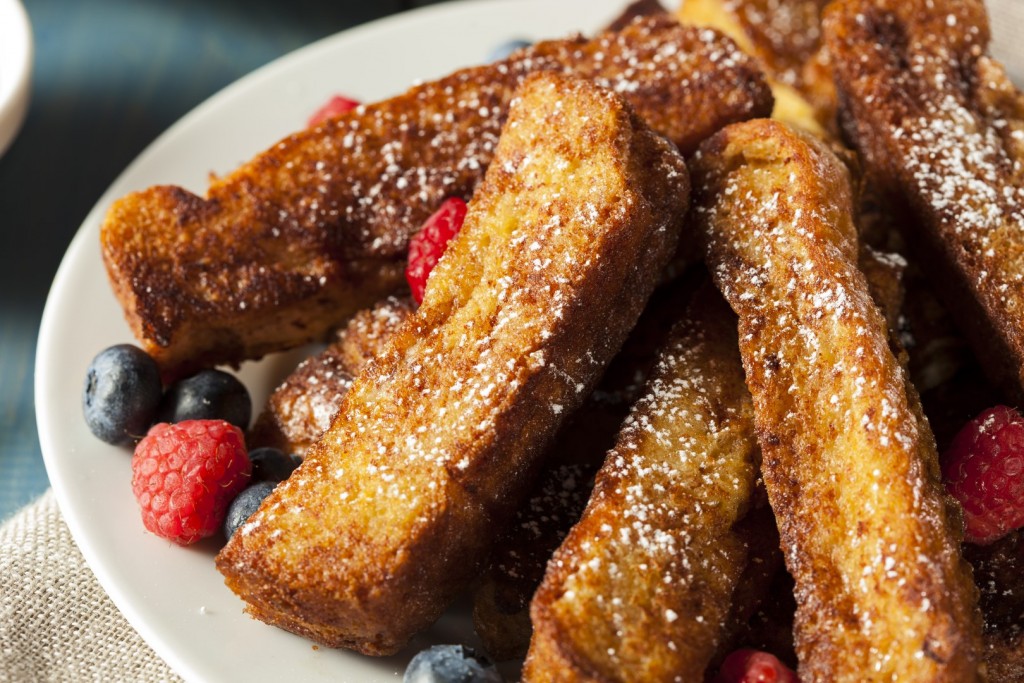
{"x":121,"y":394}
{"x":450,"y":664}
{"x":244,"y":504}
{"x":505,"y":49}
{"x":207,"y":395}
{"x":272,"y":464}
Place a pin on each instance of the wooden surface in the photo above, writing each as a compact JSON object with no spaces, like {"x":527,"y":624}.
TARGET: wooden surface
{"x":109,"y":76}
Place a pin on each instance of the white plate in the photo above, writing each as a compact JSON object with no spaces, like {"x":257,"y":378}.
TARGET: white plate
{"x":15,"y":69}
{"x":174,"y":596}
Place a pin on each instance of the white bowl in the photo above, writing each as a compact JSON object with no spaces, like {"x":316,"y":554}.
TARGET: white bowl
{"x":15,"y":69}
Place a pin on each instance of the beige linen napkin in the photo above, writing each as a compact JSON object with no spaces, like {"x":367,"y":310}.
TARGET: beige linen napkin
{"x":57,"y":623}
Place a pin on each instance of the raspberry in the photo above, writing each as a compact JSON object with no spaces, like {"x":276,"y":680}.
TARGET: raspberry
{"x":984,"y":469}
{"x":427,"y":246}
{"x":336,"y":106}
{"x":185,"y":475}
{"x":753,"y":666}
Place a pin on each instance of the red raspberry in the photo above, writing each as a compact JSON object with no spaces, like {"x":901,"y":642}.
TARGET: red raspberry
{"x":753,"y":666}
{"x":185,"y":475}
{"x":984,"y":469}
{"x":336,"y":106}
{"x":427,"y":246}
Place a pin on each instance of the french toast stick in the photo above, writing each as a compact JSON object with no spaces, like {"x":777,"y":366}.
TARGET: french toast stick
{"x":784,"y":36}
{"x":285,"y":248}
{"x":762,"y":604}
{"x":502,"y":592}
{"x":300,"y":409}
{"x":941,"y":129}
{"x":641,"y":587}
{"x":849,"y":463}
{"x":433,"y":447}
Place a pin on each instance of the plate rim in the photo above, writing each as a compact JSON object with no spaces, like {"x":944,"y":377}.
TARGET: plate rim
{"x":16,"y":60}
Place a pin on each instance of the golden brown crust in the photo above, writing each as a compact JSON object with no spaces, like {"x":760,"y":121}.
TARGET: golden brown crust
{"x":641,"y":588}
{"x":283,"y":249}
{"x":784,"y":34}
{"x":785,"y":37}
{"x":300,"y":409}
{"x":940,"y":126}
{"x":850,"y":466}
{"x":502,"y":594}
{"x":394,"y":509}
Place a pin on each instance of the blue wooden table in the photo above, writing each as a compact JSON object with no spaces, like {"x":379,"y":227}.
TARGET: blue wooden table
{"x":109,"y":76}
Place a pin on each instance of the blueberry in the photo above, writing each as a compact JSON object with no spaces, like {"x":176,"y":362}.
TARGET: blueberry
{"x":450,"y":664}
{"x":505,"y":49}
{"x":207,"y":395}
{"x":244,"y":504}
{"x":121,"y":394}
{"x":272,"y":464}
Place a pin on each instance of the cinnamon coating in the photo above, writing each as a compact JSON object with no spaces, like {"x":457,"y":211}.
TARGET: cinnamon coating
{"x":849,"y":463}
{"x":394,"y":509}
{"x":641,"y":589}
{"x":941,"y":128}
{"x":288,"y":246}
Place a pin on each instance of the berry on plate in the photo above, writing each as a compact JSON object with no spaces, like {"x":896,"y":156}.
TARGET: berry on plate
{"x":185,"y":475}
{"x":121,"y":394}
{"x":428,"y":245}
{"x":244,"y":504}
{"x":983,"y":468}
{"x":505,"y":49}
{"x":336,"y":106}
{"x":207,"y":395}
{"x":754,"y":666}
{"x":450,"y":664}
{"x":272,"y":464}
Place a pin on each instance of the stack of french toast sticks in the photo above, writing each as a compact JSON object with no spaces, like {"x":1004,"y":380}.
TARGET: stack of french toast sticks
{"x":679,"y":385}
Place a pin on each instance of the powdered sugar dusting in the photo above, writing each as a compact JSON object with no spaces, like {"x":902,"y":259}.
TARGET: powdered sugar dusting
{"x":964,"y":167}
{"x":846,"y":459}
{"x":942,"y":124}
{"x":787,"y":31}
{"x":448,"y":129}
{"x":657,"y":530}
{"x":436,"y":438}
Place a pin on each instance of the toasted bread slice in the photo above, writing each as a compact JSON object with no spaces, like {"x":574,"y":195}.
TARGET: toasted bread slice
{"x":784,"y":34}
{"x":502,"y":592}
{"x":285,"y":248}
{"x":849,"y":463}
{"x":945,"y":137}
{"x":762,"y":604}
{"x":641,"y":588}
{"x":785,"y":37}
{"x":300,"y":409}
{"x":394,"y":509}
